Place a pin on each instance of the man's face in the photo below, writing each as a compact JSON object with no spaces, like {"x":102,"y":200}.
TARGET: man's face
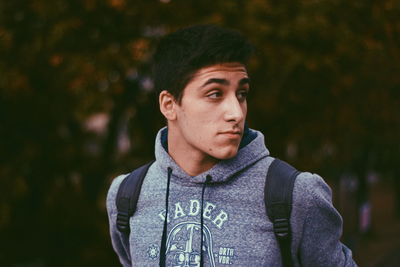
{"x":210,"y":118}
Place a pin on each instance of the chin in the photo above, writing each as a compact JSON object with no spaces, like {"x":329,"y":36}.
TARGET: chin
{"x":231,"y":153}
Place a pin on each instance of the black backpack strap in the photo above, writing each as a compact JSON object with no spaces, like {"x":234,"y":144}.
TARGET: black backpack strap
{"x":278,"y":203}
{"x":128,"y":195}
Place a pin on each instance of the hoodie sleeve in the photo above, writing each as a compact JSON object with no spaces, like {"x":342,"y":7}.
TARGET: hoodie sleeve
{"x":320,"y":243}
{"x":119,"y":242}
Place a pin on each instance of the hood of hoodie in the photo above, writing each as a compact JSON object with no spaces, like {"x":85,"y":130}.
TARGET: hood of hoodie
{"x":252,"y":149}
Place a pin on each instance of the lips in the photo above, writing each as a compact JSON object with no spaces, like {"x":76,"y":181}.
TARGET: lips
{"x":232,"y":133}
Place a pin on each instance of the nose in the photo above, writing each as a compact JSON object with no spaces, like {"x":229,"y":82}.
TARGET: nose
{"x":235,"y":111}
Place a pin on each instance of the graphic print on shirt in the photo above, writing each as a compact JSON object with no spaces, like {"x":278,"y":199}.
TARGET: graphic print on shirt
{"x":153,"y":252}
{"x":183,"y":239}
{"x":181,"y":245}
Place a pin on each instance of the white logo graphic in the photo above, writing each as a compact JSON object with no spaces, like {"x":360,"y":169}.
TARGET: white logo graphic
{"x":181,"y":240}
{"x":153,"y":252}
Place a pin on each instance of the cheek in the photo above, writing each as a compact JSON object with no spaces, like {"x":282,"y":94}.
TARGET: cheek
{"x":201,"y":124}
{"x":201,"y":119}
{"x":244,"y":108}
{"x":201,"y":132}
{"x":195,"y":125}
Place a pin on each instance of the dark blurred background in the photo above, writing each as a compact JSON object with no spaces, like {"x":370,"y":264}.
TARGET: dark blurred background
{"x":77,"y":108}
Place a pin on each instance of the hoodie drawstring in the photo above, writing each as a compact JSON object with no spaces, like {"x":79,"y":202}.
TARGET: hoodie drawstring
{"x":208,"y":179}
{"x":164,"y":234}
{"x":163,"y":249}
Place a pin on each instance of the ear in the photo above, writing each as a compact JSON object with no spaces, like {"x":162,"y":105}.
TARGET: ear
{"x":167,"y":105}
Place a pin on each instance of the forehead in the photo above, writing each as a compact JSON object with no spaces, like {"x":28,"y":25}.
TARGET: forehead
{"x":235,"y":71}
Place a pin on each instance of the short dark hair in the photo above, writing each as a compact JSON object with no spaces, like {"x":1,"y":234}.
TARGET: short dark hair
{"x":180,"y":54}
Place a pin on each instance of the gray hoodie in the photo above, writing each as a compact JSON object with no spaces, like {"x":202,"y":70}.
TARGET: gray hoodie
{"x":236,"y":229}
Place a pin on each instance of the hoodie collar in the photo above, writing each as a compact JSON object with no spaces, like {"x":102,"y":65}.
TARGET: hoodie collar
{"x":251,"y":150}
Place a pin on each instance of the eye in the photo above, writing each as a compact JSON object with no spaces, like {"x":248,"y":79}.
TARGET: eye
{"x":242,"y":95}
{"x":214,"y":94}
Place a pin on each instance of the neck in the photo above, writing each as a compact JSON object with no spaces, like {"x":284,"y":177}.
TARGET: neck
{"x":192,"y":161}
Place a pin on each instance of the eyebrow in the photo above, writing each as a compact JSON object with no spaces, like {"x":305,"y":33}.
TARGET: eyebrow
{"x":224,"y":81}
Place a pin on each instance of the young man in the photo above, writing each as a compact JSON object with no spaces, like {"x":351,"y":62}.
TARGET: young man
{"x":210,"y":170}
